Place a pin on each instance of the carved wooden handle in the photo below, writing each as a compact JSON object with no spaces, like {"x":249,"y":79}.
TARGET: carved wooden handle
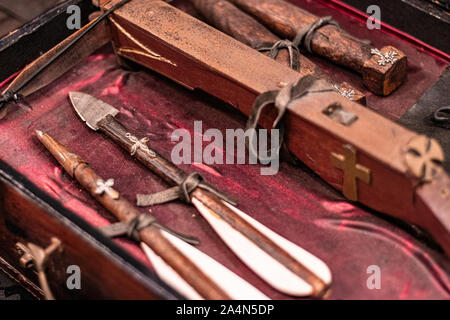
{"x":331,"y":42}
{"x":155,"y":162}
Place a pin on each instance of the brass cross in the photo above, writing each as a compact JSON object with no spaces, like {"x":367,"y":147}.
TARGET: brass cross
{"x":352,"y":171}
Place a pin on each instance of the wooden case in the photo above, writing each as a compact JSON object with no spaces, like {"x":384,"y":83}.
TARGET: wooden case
{"x":29,"y":215}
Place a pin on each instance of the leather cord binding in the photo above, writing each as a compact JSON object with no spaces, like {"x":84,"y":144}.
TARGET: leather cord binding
{"x":182,"y":192}
{"x":131,"y":229}
{"x":9,"y":96}
{"x":305,"y":35}
{"x":442,"y":115}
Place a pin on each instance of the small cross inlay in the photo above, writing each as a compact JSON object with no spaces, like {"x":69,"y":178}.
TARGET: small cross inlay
{"x":352,"y":171}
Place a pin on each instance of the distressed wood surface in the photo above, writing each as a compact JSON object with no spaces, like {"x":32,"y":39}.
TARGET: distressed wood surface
{"x":231,"y":20}
{"x":39,"y":225}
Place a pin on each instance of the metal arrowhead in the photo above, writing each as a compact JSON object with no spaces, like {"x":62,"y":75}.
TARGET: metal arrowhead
{"x":90,"y":109}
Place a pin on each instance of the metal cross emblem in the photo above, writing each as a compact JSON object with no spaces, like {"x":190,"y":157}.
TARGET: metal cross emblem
{"x":352,"y":171}
{"x":389,"y":57}
{"x":139,"y":145}
{"x":106,"y":187}
{"x":424,"y":158}
{"x":345,"y":93}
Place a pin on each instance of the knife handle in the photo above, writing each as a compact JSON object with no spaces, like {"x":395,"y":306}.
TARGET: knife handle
{"x":331,"y":42}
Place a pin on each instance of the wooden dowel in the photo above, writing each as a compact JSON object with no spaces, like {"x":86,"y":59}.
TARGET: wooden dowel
{"x":331,"y":42}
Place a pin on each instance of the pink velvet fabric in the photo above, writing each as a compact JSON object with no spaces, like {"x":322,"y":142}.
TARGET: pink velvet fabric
{"x":295,"y":203}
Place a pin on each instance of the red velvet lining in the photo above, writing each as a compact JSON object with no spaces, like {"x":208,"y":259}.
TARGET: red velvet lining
{"x":294,"y":203}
